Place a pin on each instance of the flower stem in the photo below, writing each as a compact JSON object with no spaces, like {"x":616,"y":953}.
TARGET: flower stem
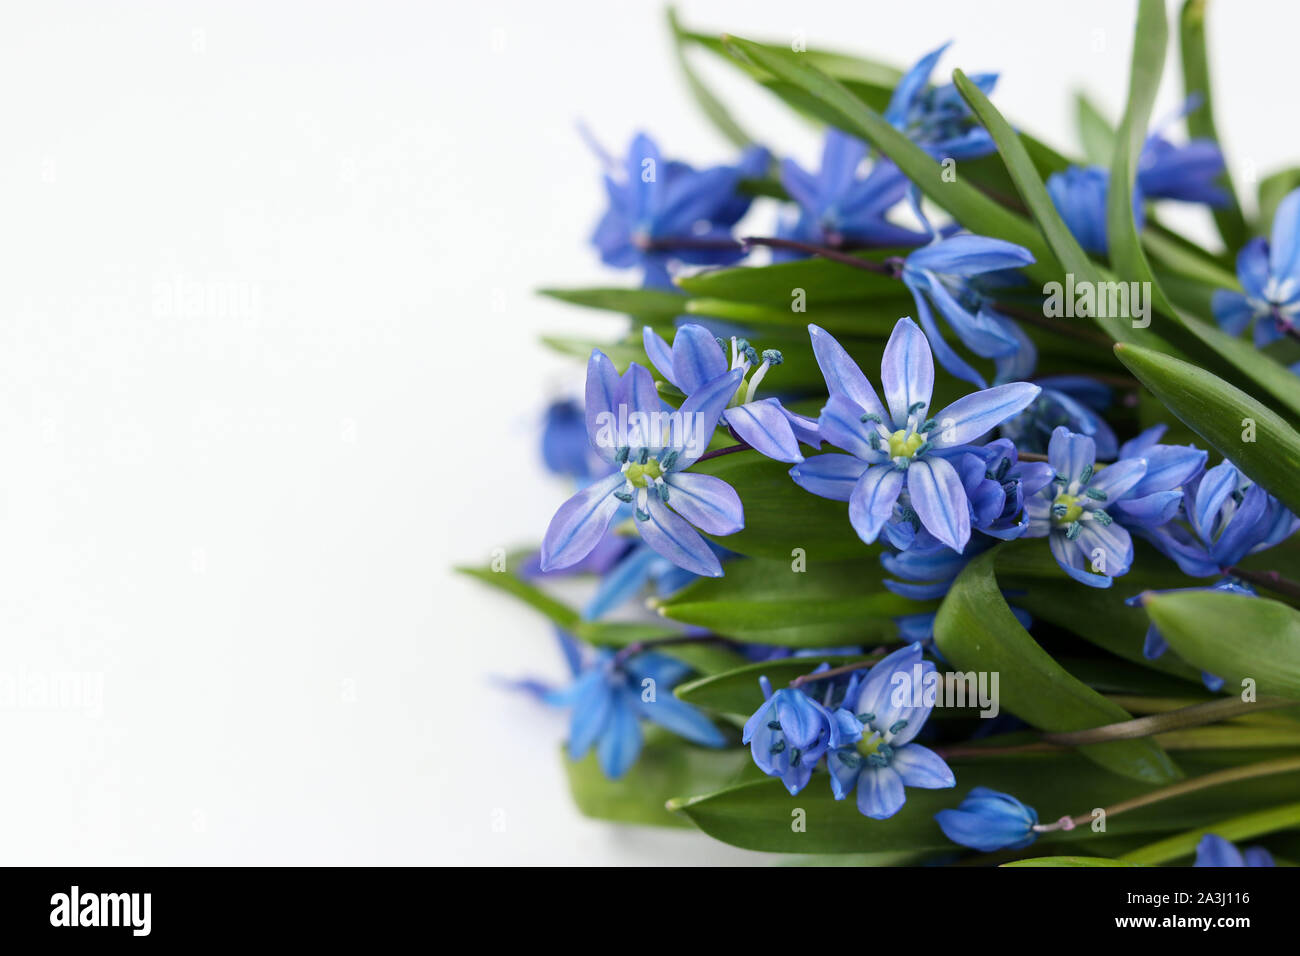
{"x":719,"y":452}
{"x":838,"y":671}
{"x":1230,"y":775}
{"x":1268,"y":579}
{"x":892,"y":267}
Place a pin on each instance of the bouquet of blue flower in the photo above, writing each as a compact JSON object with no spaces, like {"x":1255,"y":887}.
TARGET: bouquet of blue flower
{"x":947,"y":514}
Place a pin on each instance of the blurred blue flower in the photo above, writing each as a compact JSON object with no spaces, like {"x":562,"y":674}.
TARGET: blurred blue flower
{"x":610,"y":697}
{"x":1269,"y":272}
{"x":651,"y":446}
{"x":565,"y":449}
{"x":662,"y":212}
{"x":877,"y":753}
{"x":837,"y":207}
{"x":1158,"y":495}
{"x":1074,"y":401}
{"x":1186,"y":173}
{"x":988,"y":820}
{"x":1079,"y":195}
{"x":896,"y":449}
{"x":696,"y":359}
{"x":1214,"y":850}
{"x":937,"y":118}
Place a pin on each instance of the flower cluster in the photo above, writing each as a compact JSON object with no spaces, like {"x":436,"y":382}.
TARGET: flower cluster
{"x":959,"y":448}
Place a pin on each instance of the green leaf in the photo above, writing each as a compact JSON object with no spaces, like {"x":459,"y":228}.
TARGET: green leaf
{"x":642,"y":302}
{"x":1200,"y":122}
{"x":1237,"y":828}
{"x":825,"y":622}
{"x":1095,"y":132}
{"x":1051,"y":861}
{"x":559,"y":612}
{"x":976,"y":631}
{"x":1233,"y":636}
{"x":1218,"y":412}
{"x":667,"y":766}
{"x":1272,"y":190}
{"x":758,"y":816}
{"x":1030,"y":186}
{"x":709,"y":104}
{"x":774,"y":285}
{"x":967,"y":204}
{"x":771,"y":500}
{"x":737,"y":691}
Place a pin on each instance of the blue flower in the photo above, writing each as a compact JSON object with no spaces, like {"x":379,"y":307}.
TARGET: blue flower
{"x":1186,"y":173}
{"x":1269,"y":272}
{"x":1158,"y":495}
{"x":898,"y":451}
{"x":1074,"y":511}
{"x":1079,"y":195}
{"x":1070,"y":400}
{"x":937,"y":118}
{"x":565,"y":449}
{"x":988,"y":820}
{"x":837,"y":207}
{"x":1214,"y":850}
{"x":696,"y":359}
{"x":609,"y":698}
{"x":998,"y":484}
{"x":939,"y":276}
{"x":1227,"y":517}
{"x":650,"y":446}
{"x":788,"y":735}
{"x":663,"y":212}
{"x":879,"y":758}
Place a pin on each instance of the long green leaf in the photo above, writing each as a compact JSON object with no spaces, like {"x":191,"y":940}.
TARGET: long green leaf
{"x":762,"y":815}
{"x":1234,"y":636}
{"x":1200,"y":122}
{"x":1225,"y":417}
{"x":709,"y":104}
{"x":1095,"y":133}
{"x":1272,"y":190}
{"x":967,"y":204}
{"x":1237,"y":828}
{"x":976,"y":631}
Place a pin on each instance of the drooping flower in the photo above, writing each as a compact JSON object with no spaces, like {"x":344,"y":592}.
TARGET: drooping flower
{"x":987,"y":820}
{"x":632,"y":429}
{"x":788,"y":734}
{"x":1185,"y":173}
{"x":895,"y":448}
{"x":941,"y":276}
{"x":663,"y":212}
{"x":1269,"y":272}
{"x":1214,"y":850}
{"x":882,"y":758}
{"x":610,"y":698}
{"x":1074,"y":401}
{"x":697,"y":358}
{"x":565,"y":449}
{"x":1158,"y":495}
{"x":839,"y":208}
{"x":937,"y":118}
{"x":1228,"y":516}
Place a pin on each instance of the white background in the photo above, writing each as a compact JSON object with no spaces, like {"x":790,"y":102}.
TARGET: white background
{"x":268,"y":368}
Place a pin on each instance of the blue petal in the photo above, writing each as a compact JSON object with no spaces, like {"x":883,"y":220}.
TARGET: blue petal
{"x":944,"y":352}
{"x":921,"y":767}
{"x":593,"y":704}
{"x":803,"y":720}
{"x":940,"y":500}
{"x":766,"y":428}
{"x":1252,"y":267}
{"x":697,"y":358}
{"x":843,"y":377}
{"x":1284,"y":250}
{"x":660,"y":354}
{"x":1070,"y":453}
{"x":1116,"y":480}
{"x":701,"y":411}
{"x":1074,"y":561}
{"x":968,"y":255}
{"x":707,"y":502}
{"x":914,"y":81}
{"x":1168,"y":467}
{"x":1232,"y":310}
{"x":1217,"y":485}
{"x":1214,"y":850}
{"x":681,"y":718}
{"x":1149,"y":511}
{"x":674,"y":538}
{"x":872,"y":500}
{"x":1108,"y":547}
{"x":580,"y":523}
{"x":620,"y":744}
{"x":829,"y":476}
{"x":907,"y":372}
{"x":977,"y":413}
{"x":841,"y":424}
{"x":880,"y":792}
{"x":603,"y":395}
{"x":621,"y":584}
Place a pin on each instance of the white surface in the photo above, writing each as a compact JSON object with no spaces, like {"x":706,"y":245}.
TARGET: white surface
{"x":239,"y":521}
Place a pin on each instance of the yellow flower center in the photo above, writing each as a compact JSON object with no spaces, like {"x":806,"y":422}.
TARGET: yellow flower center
{"x":1073,"y":510}
{"x":903,"y":445}
{"x":643,"y":475}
